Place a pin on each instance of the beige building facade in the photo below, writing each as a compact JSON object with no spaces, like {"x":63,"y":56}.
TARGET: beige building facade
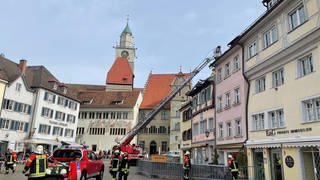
{"x":281,"y":56}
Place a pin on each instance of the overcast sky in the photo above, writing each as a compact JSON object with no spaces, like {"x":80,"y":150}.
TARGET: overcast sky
{"x":74,"y":39}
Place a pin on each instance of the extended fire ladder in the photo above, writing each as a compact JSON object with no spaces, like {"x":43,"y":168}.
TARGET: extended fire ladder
{"x":146,"y":120}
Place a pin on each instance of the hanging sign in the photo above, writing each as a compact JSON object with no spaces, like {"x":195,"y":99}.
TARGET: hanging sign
{"x":289,"y":161}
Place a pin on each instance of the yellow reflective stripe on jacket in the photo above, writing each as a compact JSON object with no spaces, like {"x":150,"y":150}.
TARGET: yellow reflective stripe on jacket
{"x":235,"y":168}
{"x":38,"y":173}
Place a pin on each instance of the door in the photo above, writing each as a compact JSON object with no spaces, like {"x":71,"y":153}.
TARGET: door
{"x":258,"y":165}
{"x":153,"y":147}
{"x":276,"y":164}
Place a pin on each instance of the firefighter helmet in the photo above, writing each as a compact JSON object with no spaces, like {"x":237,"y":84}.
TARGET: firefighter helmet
{"x":187,"y":153}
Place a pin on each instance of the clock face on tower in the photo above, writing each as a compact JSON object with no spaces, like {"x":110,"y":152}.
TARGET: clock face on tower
{"x":124,"y":54}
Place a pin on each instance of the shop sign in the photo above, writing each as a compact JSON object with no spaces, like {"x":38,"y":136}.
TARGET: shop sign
{"x":272,"y":132}
{"x":289,"y":161}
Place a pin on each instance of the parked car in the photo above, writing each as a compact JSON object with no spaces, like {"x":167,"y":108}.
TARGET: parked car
{"x":173,"y":154}
{"x":72,"y":163}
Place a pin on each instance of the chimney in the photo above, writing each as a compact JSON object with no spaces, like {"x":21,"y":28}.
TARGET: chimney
{"x":23,"y":66}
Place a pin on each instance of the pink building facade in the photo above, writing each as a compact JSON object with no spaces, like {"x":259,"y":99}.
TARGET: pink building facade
{"x":203,"y":124}
{"x":231,"y":101}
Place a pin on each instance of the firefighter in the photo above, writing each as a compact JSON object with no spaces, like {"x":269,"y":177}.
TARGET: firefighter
{"x":114,"y":164}
{"x":124,"y":167}
{"x":10,"y":158}
{"x":233,"y":166}
{"x":186,"y":165}
{"x":37,"y":163}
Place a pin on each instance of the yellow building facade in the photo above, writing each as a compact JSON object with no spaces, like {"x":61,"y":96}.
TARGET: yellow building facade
{"x":282,"y":65}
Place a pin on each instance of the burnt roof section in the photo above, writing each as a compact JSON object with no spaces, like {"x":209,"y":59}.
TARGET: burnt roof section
{"x":201,"y":84}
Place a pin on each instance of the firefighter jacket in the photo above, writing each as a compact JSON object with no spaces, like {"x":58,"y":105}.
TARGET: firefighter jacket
{"x":10,"y":158}
{"x":115,"y":161}
{"x":233,"y":166}
{"x":124,"y":165}
{"x":186,"y":162}
{"x":37,"y":163}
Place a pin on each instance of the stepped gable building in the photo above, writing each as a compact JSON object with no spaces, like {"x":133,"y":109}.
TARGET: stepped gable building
{"x":36,"y":108}
{"x":108,"y":112}
{"x":156,"y":136}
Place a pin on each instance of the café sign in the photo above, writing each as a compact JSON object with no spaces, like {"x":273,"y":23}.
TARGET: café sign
{"x":272,"y":132}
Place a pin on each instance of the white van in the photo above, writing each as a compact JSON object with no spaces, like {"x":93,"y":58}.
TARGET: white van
{"x":173,"y":154}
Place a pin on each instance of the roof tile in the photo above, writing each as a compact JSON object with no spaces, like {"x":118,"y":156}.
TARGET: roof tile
{"x":120,"y":72}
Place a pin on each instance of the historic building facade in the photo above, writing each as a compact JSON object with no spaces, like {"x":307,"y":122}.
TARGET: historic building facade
{"x":186,"y":128}
{"x":203,"y":124}
{"x":281,"y":62}
{"x":155,"y":138}
{"x":231,"y":103}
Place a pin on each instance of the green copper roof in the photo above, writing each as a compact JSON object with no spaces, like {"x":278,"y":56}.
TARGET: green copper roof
{"x":127,"y":30}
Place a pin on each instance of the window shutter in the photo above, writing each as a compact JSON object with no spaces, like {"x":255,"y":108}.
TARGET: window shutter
{"x":51,"y":113}
{"x":16,"y":106}
{"x":54,"y":99}
{"x":48,"y":129}
{"x":29,"y":109}
{"x":26,"y":127}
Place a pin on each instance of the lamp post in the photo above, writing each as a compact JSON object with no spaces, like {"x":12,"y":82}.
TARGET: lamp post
{"x":207,"y":133}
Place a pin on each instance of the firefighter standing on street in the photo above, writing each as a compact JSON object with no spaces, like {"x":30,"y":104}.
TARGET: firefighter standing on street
{"x":114,"y":164}
{"x":10,"y":159}
{"x":37,"y":163}
{"x":124,"y":167}
{"x":186,"y":166}
{"x":233,"y":166}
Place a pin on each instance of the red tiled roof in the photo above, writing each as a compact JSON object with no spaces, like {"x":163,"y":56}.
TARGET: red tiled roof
{"x":120,"y":72}
{"x":157,"y":88}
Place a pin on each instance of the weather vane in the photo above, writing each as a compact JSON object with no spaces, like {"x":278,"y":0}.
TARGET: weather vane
{"x":128,"y":18}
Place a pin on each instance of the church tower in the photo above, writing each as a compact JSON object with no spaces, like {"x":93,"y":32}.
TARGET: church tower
{"x":126,"y":47}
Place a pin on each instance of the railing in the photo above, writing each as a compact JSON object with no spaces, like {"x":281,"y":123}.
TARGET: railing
{"x":170,"y":170}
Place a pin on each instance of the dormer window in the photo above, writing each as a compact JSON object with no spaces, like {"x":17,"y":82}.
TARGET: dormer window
{"x":271,"y":3}
{"x":87,"y":101}
{"x":117,"y":102}
{"x":65,"y":90}
{"x":18,"y":87}
{"x":55,"y":86}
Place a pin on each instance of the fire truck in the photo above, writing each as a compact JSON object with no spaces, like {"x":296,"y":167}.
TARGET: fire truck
{"x":135,"y":152}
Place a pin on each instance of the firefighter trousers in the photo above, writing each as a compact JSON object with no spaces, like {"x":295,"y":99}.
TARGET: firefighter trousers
{"x":186,"y":174}
{"x":122,"y":174}
{"x":113,"y":175}
{"x":9,"y":166}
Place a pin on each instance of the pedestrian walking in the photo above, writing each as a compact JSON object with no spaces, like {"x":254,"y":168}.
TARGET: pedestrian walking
{"x":114,"y":164}
{"x":124,"y":167}
{"x":10,"y":158}
{"x":233,"y":166}
{"x":186,"y":165}
{"x":37,"y":163}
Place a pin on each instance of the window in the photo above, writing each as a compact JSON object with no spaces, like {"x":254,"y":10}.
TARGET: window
{"x":117,"y":131}
{"x":60,"y":101}
{"x":220,"y":130}
{"x":219,"y":103}
{"x":18,"y":87}
{"x":226,"y":70}
{"x":153,"y":130}
{"x":58,"y":131}
{"x":311,"y":110}
{"x":252,"y":50}
{"x":164,"y":115}
{"x":297,"y":17}
{"x":44,"y":129}
{"x":16,"y":125}
{"x":4,"y":123}
{"x":60,"y":116}
{"x":277,"y":78}
{"x":236,"y":63}
{"x":91,"y":115}
{"x":236,"y":96}
{"x":203,"y":126}
{"x":142,"y":143}
{"x":238,"y":127}
{"x":68,"y":133}
{"x":55,"y":86}
{"x":162,"y":130}
{"x":260,"y":84}
{"x":72,"y":105}
{"x":71,"y":118}
{"x":227,"y":103}
{"x":80,"y":130}
{"x":49,"y":97}
{"x":258,"y":121}
{"x":229,"y":129}
{"x":211,"y":124}
{"x":83,"y":115}
{"x":195,"y":129}
{"x":270,"y":37}
{"x":124,"y":115}
{"x":26,"y":127}
{"x":177,"y":126}
{"x":8,"y":104}
{"x":164,"y":146}
{"x":219,"y":75}
{"x":305,"y":66}
{"x":105,"y":115}
{"x":113,"y":115}
{"x":276,"y":118}
{"x":46,"y":112}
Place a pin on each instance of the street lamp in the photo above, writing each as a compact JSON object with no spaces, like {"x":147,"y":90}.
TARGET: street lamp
{"x":207,"y":133}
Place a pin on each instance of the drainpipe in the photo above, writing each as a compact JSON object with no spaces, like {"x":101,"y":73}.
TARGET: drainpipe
{"x":31,"y":131}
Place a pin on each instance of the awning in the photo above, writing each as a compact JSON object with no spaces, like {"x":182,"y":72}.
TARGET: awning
{"x":271,"y":145}
{"x":302,"y":144}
